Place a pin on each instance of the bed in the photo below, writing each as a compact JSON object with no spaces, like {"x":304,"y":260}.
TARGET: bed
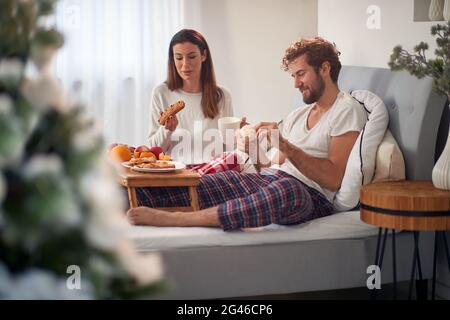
{"x":329,"y":253}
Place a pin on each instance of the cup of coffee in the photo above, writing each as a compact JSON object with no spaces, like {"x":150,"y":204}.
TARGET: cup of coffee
{"x":227,"y":128}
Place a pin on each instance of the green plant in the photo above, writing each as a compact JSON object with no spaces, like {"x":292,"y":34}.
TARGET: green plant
{"x":60,"y":206}
{"x":420,"y":66}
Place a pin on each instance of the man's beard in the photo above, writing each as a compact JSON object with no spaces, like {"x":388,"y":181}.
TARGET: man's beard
{"x":315,"y":91}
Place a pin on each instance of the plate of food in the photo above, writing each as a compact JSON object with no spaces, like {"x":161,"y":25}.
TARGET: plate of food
{"x":152,"y":165}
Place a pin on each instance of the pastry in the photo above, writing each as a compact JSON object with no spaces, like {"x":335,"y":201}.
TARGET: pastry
{"x":157,"y":165}
{"x":136,"y":161}
{"x":171,"y":111}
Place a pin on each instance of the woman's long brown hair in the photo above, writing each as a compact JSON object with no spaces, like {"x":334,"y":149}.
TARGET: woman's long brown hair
{"x":211,"y":93}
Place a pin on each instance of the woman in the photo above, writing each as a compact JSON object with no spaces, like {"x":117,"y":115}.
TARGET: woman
{"x":190,"y":78}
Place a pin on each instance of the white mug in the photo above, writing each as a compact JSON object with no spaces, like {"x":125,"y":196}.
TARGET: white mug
{"x":227,"y":127}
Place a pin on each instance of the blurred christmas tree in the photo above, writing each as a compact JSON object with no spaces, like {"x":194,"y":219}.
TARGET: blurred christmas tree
{"x":60,"y":208}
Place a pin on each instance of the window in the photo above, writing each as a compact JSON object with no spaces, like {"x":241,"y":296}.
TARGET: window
{"x":115,"y":53}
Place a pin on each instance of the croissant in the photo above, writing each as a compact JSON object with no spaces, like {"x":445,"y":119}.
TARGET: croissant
{"x":172,"y":110}
{"x":157,"y":165}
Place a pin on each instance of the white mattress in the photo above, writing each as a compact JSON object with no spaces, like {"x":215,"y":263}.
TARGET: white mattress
{"x":343,"y":225}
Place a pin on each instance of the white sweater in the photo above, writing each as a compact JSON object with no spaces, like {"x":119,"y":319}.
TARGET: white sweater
{"x":187,"y":143}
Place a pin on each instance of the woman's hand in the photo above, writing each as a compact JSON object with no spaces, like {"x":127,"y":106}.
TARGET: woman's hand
{"x":171,"y":123}
{"x":243,"y":122}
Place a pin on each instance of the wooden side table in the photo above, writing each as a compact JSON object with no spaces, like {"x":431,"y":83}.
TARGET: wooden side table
{"x":182,"y":178}
{"x":407,"y":205}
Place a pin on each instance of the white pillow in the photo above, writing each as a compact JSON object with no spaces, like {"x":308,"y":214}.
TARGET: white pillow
{"x":390,"y":164}
{"x":361,"y":162}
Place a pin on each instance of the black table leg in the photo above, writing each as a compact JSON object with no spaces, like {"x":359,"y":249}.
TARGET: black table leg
{"x":421,"y":284}
{"x":394,"y":264}
{"x":379,"y":255}
{"x":413,"y":271}
{"x":373,"y":294}
{"x":382,"y":248}
{"x":380,"y":230}
{"x":447,"y":253}
{"x":444,"y":235}
{"x":433,"y":290}
{"x":419,"y":265}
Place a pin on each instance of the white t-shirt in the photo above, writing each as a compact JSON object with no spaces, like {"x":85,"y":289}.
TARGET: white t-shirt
{"x":192,"y":141}
{"x":345,"y":115}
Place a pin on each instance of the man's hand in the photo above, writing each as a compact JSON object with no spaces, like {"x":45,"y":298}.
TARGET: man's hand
{"x":253,"y":145}
{"x":272,"y":132}
{"x":171,"y":123}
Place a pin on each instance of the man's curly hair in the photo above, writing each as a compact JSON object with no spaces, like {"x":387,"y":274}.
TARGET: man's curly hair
{"x":317,"y":50}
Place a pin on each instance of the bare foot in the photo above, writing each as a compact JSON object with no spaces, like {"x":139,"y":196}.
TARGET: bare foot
{"x":154,"y":217}
{"x":150,"y":216}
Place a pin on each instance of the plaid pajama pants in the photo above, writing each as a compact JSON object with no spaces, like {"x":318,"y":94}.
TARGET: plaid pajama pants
{"x":247,"y":200}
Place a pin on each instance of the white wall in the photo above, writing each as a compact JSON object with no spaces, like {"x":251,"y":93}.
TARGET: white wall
{"x":344,"y":22}
{"x":247,"y":39}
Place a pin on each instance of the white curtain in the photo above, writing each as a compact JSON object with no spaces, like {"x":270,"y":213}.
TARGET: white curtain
{"x":115,"y":53}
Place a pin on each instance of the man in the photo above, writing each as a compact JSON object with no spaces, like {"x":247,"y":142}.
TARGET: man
{"x":299,"y":185}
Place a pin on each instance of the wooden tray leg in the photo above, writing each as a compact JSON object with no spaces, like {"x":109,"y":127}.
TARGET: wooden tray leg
{"x":132,"y":197}
{"x":194,"y":198}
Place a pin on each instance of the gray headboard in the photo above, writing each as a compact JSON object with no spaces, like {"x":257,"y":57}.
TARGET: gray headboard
{"x":416,"y":113}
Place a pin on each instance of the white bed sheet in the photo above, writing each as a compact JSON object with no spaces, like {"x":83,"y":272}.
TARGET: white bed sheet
{"x":343,"y":225}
